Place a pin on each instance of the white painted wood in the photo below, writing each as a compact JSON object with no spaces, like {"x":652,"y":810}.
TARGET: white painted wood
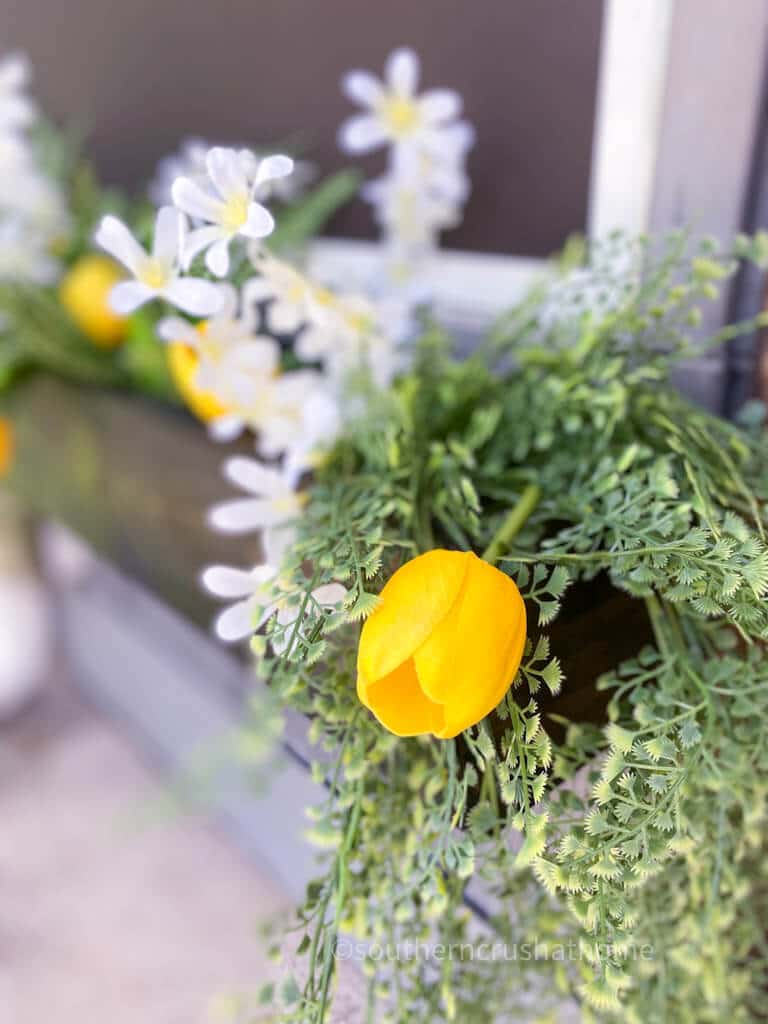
{"x":176,"y":691}
{"x":712,"y":101}
{"x":633,"y":66}
{"x":469,"y":289}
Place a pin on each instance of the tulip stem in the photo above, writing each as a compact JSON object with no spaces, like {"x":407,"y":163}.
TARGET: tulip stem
{"x":515,"y":521}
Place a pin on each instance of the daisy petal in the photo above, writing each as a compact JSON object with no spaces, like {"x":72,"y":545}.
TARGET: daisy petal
{"x":226,"y":169}
{"x":256,"y":289}
{"x":190,"y":198}
{"x":223,"y":581}
{"x":173,"y":328}
{"x":226,"y":428}
{"x":198,"y":240}
{"x":402,"y":71}
{"x":329,"y":594}
{"x":217,"y":257}
{"x":236,"y":623}
{"x":228,"y":294}
{"x":127,"y":296}
{"x":440,"y":105}
{"x":276,"y":540}
{"x":245,"y":515}
{"x":260,"y":356}
{"x":284,"y":317}
{"x":254,"y":476}
{"x":362,"y":87}
{"x":260,"y":222}
{"x":194,"y":296}
{"x":272,"y":167}
{"x":361,"y":133}
{"x":169,"y":233}
{"x":115,"y":238}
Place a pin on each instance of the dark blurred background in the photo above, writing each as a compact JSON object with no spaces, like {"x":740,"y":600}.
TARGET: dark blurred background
{"x":142,"y":74}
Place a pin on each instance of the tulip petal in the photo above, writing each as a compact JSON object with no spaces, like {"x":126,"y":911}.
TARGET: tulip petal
{"x":413,"y":603}
{"x":469,"y":660}
{"x":399,"y":703}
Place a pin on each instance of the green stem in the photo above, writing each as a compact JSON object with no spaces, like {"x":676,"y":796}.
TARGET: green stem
{"x":512,"y":525}
{"x":656,"y":616}
{"x":340,"y":894}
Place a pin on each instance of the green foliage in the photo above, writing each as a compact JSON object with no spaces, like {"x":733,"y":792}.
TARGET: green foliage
{"x":39,"y":334}
{"x":638,"y":842}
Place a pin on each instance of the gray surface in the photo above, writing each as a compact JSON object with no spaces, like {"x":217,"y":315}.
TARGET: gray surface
{"x":174,"y":688}
{"x":711,"y":113}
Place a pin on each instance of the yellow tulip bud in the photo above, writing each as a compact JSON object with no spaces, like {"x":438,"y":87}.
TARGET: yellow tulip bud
{"x":443,"y":646}
{"x":183,"y":362}
{"x":84,"y":293}
{"x":7,"y":446}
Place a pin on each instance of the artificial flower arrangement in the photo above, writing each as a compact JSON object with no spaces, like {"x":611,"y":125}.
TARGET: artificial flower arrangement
{"x":54,"y":285}
{"x":429,"y":524}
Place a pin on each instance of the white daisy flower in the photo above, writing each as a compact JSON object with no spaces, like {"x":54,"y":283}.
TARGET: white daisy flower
{"x":408,"y":211}
{"x":156,"y":275}
{"x":395,"y":114}
{"x":258,"y":596}
{"x":228,"y":207}
{"x":321,"y":425}
{"x":300,"y":414}
{"x":252,"y":592}
{"x":274,"y":502}
{"x":233,"y":359}
{"x":293,"y":298}
{"x":348,"y":338}
{"x":440,"y":172}
{"x":16,"y":109}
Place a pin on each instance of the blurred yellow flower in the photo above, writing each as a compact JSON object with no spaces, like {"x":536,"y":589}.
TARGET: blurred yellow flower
{"x":441,"y":650}
{"x":7,"y":445}
{"x":84,"y":293}
{"x":184,"y":362}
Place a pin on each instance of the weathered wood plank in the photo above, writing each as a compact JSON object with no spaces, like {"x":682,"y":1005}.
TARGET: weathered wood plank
{"x":131,"y":476}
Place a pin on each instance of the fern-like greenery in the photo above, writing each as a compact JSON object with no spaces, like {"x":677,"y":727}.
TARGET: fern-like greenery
{"x":634,"y":845}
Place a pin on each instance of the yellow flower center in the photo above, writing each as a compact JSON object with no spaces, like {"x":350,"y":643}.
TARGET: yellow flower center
{"x":210,"y":347}
{"x":153,"y":274}
{"x":400,"y":115}
{"x":288,"y":503}
{"x":323,"y":297}
{"x":235,"y":212}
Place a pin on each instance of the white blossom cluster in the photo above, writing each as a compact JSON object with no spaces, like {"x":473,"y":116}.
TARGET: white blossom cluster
{"x":217,"y":219}
{"x":425,"y":185}
{"x":190,"y":162}
{"x":33,"y":215}
{"x":210,"y":233}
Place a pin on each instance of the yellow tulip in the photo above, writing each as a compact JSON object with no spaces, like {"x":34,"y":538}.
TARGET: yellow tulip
{"x":7,"y":446}
{"x":183,"y":362}
{"x":84,"y":293}
{"x":443,"y":646}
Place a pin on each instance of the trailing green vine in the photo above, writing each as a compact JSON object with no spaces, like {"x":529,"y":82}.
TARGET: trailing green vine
{"x":633,"y":842}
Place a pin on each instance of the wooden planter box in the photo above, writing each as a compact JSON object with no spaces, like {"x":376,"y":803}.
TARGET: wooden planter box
{"x":135,"y":479}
